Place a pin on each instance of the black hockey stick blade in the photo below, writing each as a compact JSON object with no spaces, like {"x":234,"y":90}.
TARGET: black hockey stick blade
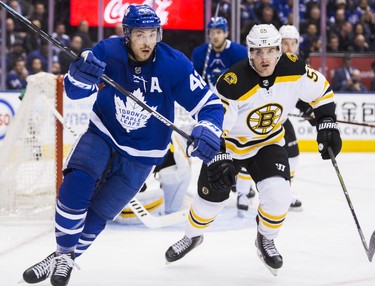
{"x":371,"y":247}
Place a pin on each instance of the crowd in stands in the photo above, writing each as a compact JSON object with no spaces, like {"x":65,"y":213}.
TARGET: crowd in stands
{"x":350,"y":28}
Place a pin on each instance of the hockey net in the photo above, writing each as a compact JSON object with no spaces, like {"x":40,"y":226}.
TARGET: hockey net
{"x":32,"y":152}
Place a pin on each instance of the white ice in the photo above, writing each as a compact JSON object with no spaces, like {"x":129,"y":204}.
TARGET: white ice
{"x":320,"y":245}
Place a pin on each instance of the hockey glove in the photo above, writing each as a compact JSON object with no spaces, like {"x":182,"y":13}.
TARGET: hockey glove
{"x":328,"y":136}
{"x":306,"y":111}
{"x":206,"y":138}
{"x":86,"y":71}
{"x":221,"y":172}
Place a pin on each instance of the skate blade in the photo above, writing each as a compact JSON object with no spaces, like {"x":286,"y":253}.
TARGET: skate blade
{"x":272,"y":270}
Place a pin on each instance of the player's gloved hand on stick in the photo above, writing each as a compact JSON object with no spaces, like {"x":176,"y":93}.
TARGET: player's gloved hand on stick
{"x":206,"y":138}
{"x":221,"y":172}
{"x":328,"y":136}
{"x":86,"y":71}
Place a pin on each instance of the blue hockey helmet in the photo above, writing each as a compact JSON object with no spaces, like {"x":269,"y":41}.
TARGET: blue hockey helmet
{"x":218,"y":23}
{"x":140,"y":17}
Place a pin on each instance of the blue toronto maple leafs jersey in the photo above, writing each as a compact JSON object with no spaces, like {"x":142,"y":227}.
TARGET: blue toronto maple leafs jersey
{"x":168,"y":78}
{"x":218,"y":63}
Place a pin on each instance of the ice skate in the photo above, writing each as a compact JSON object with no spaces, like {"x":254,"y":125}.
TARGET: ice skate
{"x":182,"y":247}
{"x":64,"y":264}
{"x":268,"y":253}
{"x":39,"y":271}
{"x":296,"y":205}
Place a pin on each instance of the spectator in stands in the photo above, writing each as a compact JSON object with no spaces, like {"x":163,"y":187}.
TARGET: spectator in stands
{"x":308,"y":40}
{"x":11,"y":35}
{"x":346,"y":36}
{"x":247,"y":12}
{"x":337,"y":21}
{"x":83,"y":32}
{"x":333,"y":44}
{"x":35,"y":66}
{"x":56,"y":68}
{"x":354,"y":84}
{"x":313,"y":17}
{"x":342,"y":75}
{"x":41,"y":14}
{"x":60,"y":36}
{"x":268,"y":15}
{"x":372,"y":87}
{"x":33,"y":40}
{"x":16,"y":52}
{"x":360,"y":44}
{"x":118,"y":30}
{"x":64,"y":59}
{"x":24,"y":8}
{"x":16,"y":78}
{"x":41,"y":53}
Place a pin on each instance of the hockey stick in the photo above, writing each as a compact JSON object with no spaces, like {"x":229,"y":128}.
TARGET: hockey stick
{"x":370,"y":250}
{"x":209,"y":48}
{"x":156,"y":221}
{"x":104,"y":77}
{"x":339,"y":121}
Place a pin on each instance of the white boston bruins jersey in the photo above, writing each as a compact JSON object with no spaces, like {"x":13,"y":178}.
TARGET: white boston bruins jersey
{"x":256,"y":107}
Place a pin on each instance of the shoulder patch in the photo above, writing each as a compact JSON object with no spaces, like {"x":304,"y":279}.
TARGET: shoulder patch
{"x":230,"y":78}
{"x":292,"y":56}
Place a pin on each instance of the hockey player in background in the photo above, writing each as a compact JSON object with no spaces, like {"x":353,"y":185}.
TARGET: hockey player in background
{"x":223,"y":54}
{"x":258,"y":94}
{"x":112,"y":159}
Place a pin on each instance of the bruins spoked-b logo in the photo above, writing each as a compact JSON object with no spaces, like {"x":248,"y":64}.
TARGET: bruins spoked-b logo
{"x":262,"y":120}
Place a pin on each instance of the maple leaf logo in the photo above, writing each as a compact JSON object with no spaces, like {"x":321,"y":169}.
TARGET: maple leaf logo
{"x":130,"y":115}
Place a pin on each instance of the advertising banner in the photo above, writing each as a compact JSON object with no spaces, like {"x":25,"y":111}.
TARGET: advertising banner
{"x":174,"y":14}
{"x":9,"y":103}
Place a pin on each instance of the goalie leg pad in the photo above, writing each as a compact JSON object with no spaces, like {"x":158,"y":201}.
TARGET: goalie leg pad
{"x":174,"y":185}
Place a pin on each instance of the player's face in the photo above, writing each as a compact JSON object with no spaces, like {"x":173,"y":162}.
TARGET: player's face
{"x":143,"y":42}
{"x":264,"y":60}
{"x":218,"y":37}
{"x":289,"y":45}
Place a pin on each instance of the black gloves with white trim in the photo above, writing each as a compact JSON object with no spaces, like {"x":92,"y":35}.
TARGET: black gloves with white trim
{"x":221,"y":171}
{"x":328,"y":136}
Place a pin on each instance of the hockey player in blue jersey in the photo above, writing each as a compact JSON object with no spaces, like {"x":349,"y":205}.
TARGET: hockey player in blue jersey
{"x":112,"y":159}
{"x":224,"y":53}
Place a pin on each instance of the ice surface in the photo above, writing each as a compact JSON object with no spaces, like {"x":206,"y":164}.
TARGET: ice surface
{"x":320,"y":245}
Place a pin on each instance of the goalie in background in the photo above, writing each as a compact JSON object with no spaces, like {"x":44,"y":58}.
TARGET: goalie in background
{"x":258,"y":94}
{"x":110,"y":162}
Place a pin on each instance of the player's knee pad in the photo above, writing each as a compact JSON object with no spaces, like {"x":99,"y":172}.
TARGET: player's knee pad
{"x":274,"y":195}
{"x":174,"y":185}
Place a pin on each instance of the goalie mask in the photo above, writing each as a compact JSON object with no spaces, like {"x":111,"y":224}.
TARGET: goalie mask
{"x":141,"y":17}
{"x":264,"y":41}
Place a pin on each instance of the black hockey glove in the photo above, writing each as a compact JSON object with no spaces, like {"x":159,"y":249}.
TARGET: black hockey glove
{"x":221,"y":172}
{"x":328,"y":136}
{"x":306,"y":111}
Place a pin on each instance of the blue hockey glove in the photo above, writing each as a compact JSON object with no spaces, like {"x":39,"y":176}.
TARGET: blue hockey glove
{"x":206,"y":138}
{"x":221,"y":172}
{"x":86,"y":71}
{"x":328,"y":136}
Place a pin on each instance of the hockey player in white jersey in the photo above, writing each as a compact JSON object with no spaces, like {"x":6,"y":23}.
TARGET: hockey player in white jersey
{"x":258,"y":94}
{"x":112,"y":159}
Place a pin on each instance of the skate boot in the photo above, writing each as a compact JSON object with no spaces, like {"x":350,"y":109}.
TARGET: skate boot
{"x":40,"y":271}
{"x":63,"y":267}
{"x":243,"y":202}
{"x":296,"y":205}
{"x":182,"y":247}
{"x":268,"y":253}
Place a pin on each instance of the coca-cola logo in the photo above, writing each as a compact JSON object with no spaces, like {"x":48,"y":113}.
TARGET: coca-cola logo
{"x":173,"y":13}
{"x":115,"y":10}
